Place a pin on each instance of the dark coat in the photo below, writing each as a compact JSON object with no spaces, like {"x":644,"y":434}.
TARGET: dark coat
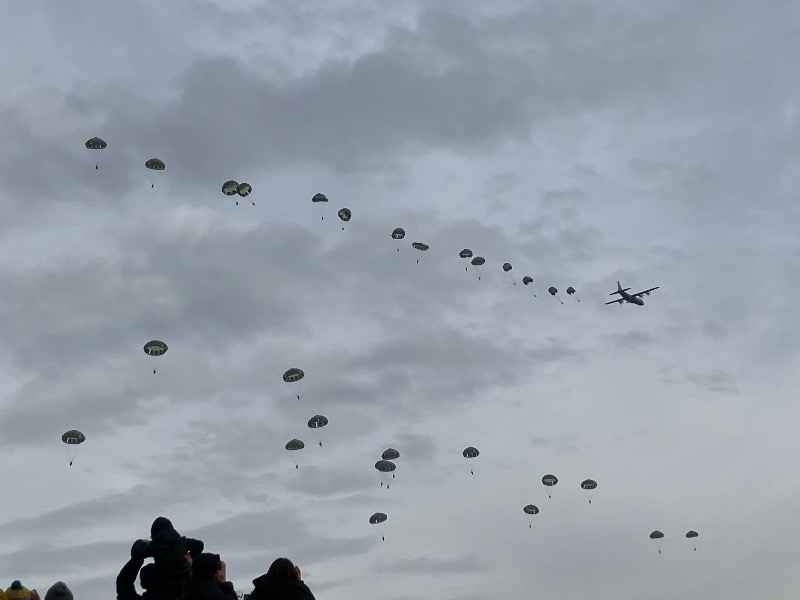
{"x":208,"y":589}
{"x":169,"y":548}
{"x":280,"y":590}
{"x":126,"y":584}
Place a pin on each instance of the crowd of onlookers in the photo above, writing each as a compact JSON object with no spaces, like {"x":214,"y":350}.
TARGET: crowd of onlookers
{"x":181,"y":570}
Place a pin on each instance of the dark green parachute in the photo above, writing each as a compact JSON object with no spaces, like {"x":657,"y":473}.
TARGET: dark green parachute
{"x":156,"y":164}
{"x":295,"y":444}
{"x":531,"y":509}
{"x":477,"y":262}
{"x":421,"y":247}
{"x":320,"y":200}
{"x":229,"y":187}
{"x":465,"y":253}
{"x":155,"y":348}
{"x":507,"y":268}
{"x":656,"y":535}
{"x":553,"y":291}
{"x":345,"y":214}
{"x":549,"y":480}
{"x":317,"y":421}
{"x":96,"y":143}
{"x":293,"y":374}
{"x":470,"y":452}
{"x":527,"y":280}
{"x":390,"y":454}
{"x":399,"y":233}
{"x":692,"y":534}
{"x":244,"y":189}
{"x":588,"y":484}
{"x":571,"y":291}
{"x":72,"y":438}
{"x":385,"y":466}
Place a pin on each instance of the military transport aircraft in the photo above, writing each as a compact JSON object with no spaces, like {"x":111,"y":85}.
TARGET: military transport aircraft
{"x":630,"y":298}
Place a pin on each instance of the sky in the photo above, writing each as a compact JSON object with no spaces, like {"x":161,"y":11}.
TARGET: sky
{"x":585,"y":143}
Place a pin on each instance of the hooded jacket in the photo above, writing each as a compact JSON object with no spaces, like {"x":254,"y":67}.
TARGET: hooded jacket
{"x":169,"y":548}
{"x":280,"y":590}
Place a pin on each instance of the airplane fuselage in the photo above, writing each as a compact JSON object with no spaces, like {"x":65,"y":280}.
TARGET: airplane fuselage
{"x":632,"y":299}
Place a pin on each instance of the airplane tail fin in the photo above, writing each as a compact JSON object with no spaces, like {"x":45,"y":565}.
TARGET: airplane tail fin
{"x":619,"y":287}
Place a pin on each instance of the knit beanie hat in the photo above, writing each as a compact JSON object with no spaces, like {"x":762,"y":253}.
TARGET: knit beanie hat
{"x":58,"y":591}
{"x":205,"y":565}
{"x":17,"y":591}
{"x":159,"y":524}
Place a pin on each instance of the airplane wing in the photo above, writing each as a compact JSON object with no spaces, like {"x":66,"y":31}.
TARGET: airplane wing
{"x":620,"y":300}
{"x":644,"y":292}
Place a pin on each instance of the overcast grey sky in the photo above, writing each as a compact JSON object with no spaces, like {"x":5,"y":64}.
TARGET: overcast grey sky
{"x":652,"y":143}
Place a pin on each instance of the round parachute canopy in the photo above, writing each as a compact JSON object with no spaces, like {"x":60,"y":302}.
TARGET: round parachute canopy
{"x":465,"y":253}
{"x":96,"y":143}
{"x":319,"y":198}
{"x":229,"y":187}
{"x":553,"y":290}
{"x":588,"y":484}
{"x":656,"y":535}
{"x":155,"y":348}
{"x":385,"y":466}
{"x":73,"y":436}
{"x":420,"y":246}
{"x":244,"y":189}
{"x":692,"y":534}
{"x":570,"y":290}
{"x":156,"y":164}
{"x":470,"y":452}
{"x":549,"y":480}
{"x":399,"y":233}
{"x":478,"y":261}
{"x":507,"y":267}
{"x":293,"y":374}
{"x":390,"y":454}
{"x":345,"y":214}
{"x":317,"y":421}
{"x":295,"y":445}
{"x":377,"y":518}
{"x":527,"y":279}
{"x":531,"y":509}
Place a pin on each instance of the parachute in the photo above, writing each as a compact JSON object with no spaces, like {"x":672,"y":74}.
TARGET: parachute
{"x":549,"y":480}
{"x":345,"y":215}
{"x":530,"y":509}
{"x":692,"y":534}
{"x":390,"y":454}
{"x":421,"y":247}
{"x":470,"y":452}
{"x":385,"y":466}
{"x":155,"y":348}
{"x":571,"y":291}
{"x":320,"y":200}
{"x":657,"y":535}
{"x":72,"y":438}
{"x":465,"y":253}
{"x":553,"y":291}
{"x":229,"y":188}
{"x":507,"y":268}
{"x":294,"y":375}
{"x":376,"y":518}
{"x":96,"y":143}
{"x":295,"y":444}
{"x":155,"y":164}
{"x":244,"y":189}
{"x":316,"y":422}
{"x":527,"y":280}
{"x":477,"y":262}
{"x":588,"y":484}
{"x":398,"y":234}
